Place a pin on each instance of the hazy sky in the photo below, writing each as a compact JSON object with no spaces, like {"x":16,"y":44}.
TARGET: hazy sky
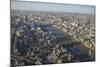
{"x":38,"y":6}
